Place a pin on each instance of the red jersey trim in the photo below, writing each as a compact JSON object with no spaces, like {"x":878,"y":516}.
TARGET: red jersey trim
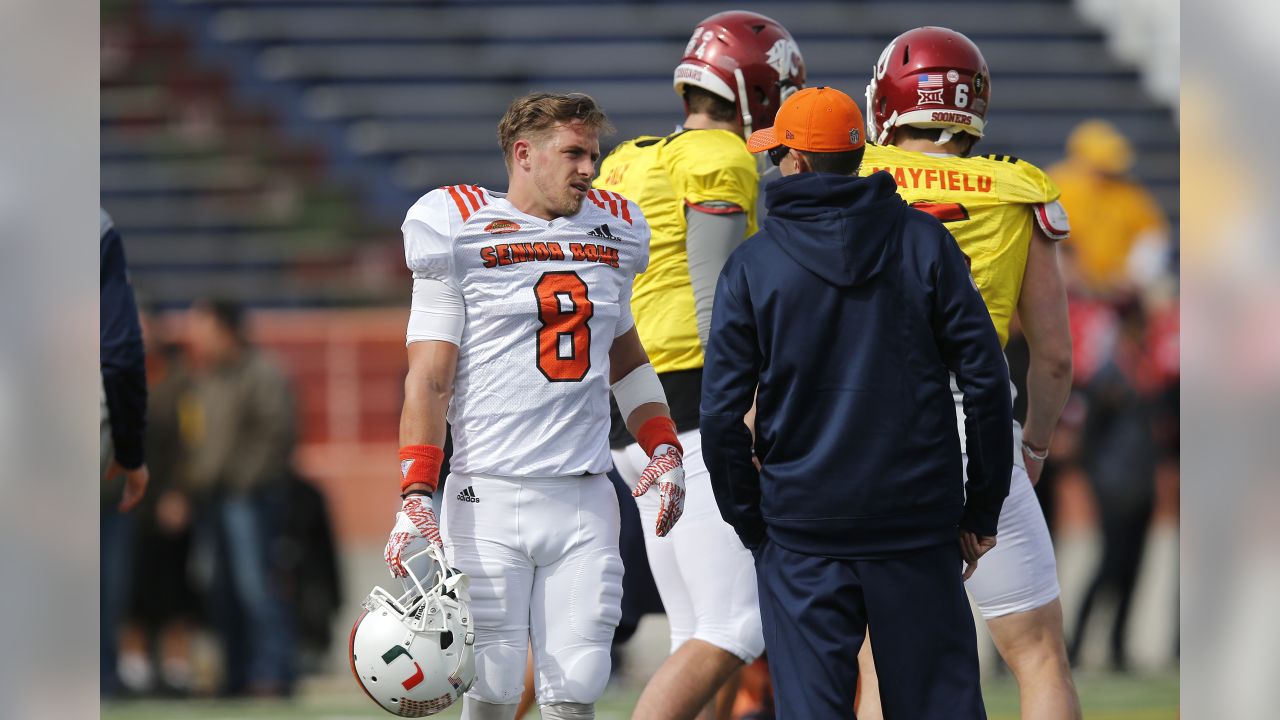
{"x":1042,"y":217}
{"x":727,"y":209}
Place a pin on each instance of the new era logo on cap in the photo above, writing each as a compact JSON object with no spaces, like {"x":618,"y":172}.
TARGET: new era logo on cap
{"x":791,"y":135}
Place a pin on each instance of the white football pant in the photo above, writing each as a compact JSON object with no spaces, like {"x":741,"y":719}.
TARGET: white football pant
{"x":706,"y":578}
{"x":1020,"y":573}
{"x":542,"y":555}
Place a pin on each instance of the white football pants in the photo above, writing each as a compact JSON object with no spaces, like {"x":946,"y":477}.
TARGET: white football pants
{"x":706,"y":578}
{"x":542,"y":555}
{"x":1020,"y":573}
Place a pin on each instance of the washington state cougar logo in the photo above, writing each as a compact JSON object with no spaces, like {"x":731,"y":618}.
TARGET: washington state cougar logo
{"x":784,"y":57}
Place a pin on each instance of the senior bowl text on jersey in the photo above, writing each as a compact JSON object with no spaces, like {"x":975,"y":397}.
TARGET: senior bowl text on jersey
{"x":543,"y":301}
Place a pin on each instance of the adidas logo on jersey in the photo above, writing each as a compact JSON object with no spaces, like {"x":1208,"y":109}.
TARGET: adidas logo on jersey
{"x":603,"y":232}
{"x":468,"y":495}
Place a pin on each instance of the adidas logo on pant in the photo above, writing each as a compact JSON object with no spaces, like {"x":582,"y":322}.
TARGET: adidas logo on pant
{"x":468,"y":495}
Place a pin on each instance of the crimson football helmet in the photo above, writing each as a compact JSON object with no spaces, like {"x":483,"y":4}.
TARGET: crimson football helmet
{"x":930,"y":77}
{"x":745,"y":58}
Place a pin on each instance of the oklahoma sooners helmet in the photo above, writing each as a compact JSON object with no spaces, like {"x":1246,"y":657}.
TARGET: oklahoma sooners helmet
{"x":745,"y":58}
{"x":930,"y":77}
{"x":414,"y":655}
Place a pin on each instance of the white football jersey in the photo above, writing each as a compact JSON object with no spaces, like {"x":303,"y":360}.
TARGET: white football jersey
{"x":542,"y":306}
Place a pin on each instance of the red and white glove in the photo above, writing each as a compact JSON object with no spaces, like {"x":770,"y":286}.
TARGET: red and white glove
{"x":666,"y":470}
{"x":416,"y":519}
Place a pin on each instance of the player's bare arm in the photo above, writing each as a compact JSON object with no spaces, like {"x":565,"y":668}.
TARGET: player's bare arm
{"x":428,"y":387}
{"x":1042,"y":309}
{"x":642,"y":402}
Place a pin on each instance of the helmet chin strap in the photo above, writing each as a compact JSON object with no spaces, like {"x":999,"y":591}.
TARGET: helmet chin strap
{"x":742,"y":102}
{"x":944,"y":137}
{"x":889,"y":124}
{"x":871,"y":122}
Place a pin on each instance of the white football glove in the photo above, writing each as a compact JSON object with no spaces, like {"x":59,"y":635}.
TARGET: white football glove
{"x":666,"y":469}
{"x":416,"y":519}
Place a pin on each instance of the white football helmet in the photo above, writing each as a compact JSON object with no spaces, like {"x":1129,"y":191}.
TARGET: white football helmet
{"x":414,"y":655}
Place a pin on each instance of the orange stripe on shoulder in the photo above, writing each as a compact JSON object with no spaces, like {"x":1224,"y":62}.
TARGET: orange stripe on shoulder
{"x":614,"y":204}
{"x":626,"y":210}
{"x":475,"y":195}
{"x":464,"y":206}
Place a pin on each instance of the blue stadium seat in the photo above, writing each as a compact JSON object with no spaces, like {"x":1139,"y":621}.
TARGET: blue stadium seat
{"x":398,"y":97}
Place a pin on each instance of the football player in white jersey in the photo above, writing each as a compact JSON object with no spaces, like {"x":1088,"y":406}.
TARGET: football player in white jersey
{"x":520,"y":324}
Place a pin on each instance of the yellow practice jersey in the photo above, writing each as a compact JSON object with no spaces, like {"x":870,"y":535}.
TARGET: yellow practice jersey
{"x":989,"y":204}
{"x":665,"y":175}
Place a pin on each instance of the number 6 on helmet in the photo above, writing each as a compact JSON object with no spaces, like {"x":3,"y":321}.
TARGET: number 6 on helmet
{"x":414,"y":655}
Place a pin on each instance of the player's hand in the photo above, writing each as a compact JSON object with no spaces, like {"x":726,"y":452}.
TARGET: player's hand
{"x":666,"y":470}
{"x":135,"y":484}
{"x":416,"y":519}
{"x":972,"y":547}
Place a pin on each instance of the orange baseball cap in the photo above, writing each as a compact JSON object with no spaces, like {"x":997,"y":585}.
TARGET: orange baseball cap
{"x":816,"y":119}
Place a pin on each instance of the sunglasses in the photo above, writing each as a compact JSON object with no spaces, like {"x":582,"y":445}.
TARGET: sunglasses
{"x":778,"y":153}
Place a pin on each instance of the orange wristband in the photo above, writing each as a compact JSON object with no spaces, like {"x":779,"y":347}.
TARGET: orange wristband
{"x":420,"y":464}
{"x":656,"y":431}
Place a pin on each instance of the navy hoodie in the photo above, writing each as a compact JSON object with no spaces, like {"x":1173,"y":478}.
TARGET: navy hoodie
{"x":848,"y":310}
{"x":120,"y":353}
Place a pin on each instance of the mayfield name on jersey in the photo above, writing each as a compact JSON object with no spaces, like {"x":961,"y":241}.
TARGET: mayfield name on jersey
{"x":989,"y":204}
{"x":543,"y":300}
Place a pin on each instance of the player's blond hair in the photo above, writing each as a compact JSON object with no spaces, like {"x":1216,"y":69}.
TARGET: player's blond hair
{"x":536,"y":113}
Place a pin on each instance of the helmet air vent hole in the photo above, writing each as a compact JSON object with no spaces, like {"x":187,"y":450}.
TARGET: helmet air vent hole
{"x":446,"y":639}
{"x":757,"y":29}
{"x":373,"y":678}
{"x":395,"y":700}
{"x":906,"y":54}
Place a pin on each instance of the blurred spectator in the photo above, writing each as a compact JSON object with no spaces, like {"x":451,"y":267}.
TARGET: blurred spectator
{"x":1119,"y":235}
{"x":1119,"y":453}
{"x":157,"y":641}
{"x":123,"y":412}
{"x":241,"y":434}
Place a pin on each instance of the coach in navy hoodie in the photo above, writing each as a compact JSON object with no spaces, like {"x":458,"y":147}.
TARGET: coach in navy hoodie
{"x":843,"y":318}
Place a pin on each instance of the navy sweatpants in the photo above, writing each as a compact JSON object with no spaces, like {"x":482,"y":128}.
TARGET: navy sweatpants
{"x":816,"y":611}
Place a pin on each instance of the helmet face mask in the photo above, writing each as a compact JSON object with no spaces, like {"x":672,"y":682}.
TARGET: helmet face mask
{"x":747,"y":59}
{"x":929,"y":77}
{"x":413,"y":654}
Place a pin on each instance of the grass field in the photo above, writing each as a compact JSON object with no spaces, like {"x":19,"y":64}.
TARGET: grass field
{"x":1104,"y":697}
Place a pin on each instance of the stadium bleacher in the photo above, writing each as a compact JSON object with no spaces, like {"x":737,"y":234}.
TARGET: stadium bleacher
{"x":282,"y":140}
